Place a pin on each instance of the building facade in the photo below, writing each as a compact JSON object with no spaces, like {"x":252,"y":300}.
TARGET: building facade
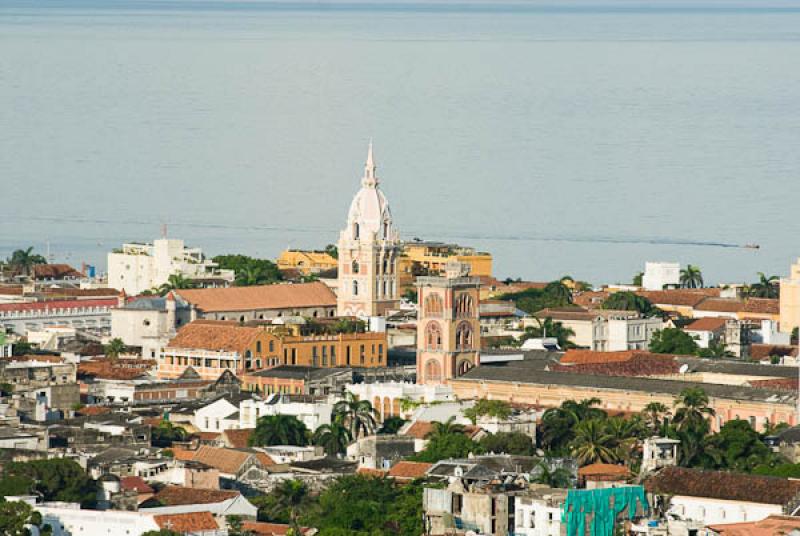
{"x":790,"y":300}
{"x":89,"y":314}
{"x":306,"y":262}
{"x":369,"y":248}
{"x":430,"y":258}
{"x":448,"y":329}
{"x":138,"y":267}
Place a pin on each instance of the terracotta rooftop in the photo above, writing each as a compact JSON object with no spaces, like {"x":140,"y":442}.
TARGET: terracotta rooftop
{"x":219,"y":336}
{"x":764,"y":351}
{"x":783,"y":384}
{"x":380,"y":473}
{"x":404,"y":470}
{"x":770,"y":526}
{"x":764,"y":306}
{"x":585,"y":357}
{"x":261,"y":528}
{"x":421,"y":429}
{"x":723,"y":485}
{"x":107,"y":369}
{"x":225,"y":460}
{"x":192,"y":522}
{"x":279,"y":296}
{"x":179,"y":496}
{"x":708,"y":323}
{"x":135,"y":483}
{"x":237,"y":439}
{"x":53,"y":305}
{"x":640,"y":363}
{"x":604,"y":472}
{"x":54,"y":271}
{"x":591,"y":299}
{"x":679,"y":297}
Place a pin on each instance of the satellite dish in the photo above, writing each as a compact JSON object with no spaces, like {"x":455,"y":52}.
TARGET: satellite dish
{"x":684,"y":369}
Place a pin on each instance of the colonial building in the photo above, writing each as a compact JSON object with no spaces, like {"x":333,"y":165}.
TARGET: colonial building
{"x":88,"y":314}
{"x":138,"y":267}
{"x":448,"y":329}
{"x":306,"y":262}
{"x":368,"y":252}
{"x":150,"y":322}
{"x":430,"y":258}
{"x":790,"y":299}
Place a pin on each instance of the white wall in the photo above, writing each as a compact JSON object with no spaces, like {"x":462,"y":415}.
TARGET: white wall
{"x":535,"y":518}
{"x":211,"y":418}
{"x":658,"y":274}
{"x":715,"y":511}
{"x":71,"y":521}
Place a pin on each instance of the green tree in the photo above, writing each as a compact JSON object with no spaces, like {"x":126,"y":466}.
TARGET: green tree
{"x":715,"y":350}
{"x":673,"y":341}
{"x":442,"y":447}
{"x":691,"y":277}
{"x":637,"y":279}
{"x":555,"y":478}
{"x":654,"y":415}
{"x":175,"y":282}
{"x":532,"y":300}
{"x":411,"y":295}
{"x":737,"y":447}
{"x":358,"y":416}
{"x":442,"y":429}
{"x":166,"y":433}
{"x":630,"y":301}
{"x":496,"y":409}
{"x":279,"y":430}
{"x":347,"y":325}
{"x":15,"y":515}
{"x":391,"y":425}
{"x":783,"y":470}
{"x":249,"y":270}
{"x":593,"y":443}
{"x":58,"y":479}
{"x":626,"y":434}
{"x":332,"y":250}
{"x":114,"y":348}
{"x":766,"y":287}
{"x":558,"y":424}
{"x":291,"y":498}
{"x":549,"y":328}
{"x":515,"y":443}
{"x":693,"y":411}
{"x":333,"y":438}
{"x":22,"y":261}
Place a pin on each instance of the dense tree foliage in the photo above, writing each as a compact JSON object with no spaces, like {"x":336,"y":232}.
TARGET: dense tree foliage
{"x":279,"y":430}
{"x":358,"y":416}
{"x":691,"y":277}
{"x":250,"y":271}
{"x":630,"y":301}
{"x":16,"y":515}
{"x":58,"y":479}
{"x":550,"y":328}
{"x":765,"y":287}
{"x":508,"y":443}
{"x":165,"y":433}
{"x":333,"y":438}
{"x":531,"y":300}
{"x":22,"y":261}
{"x":737,"y":447}
{"x":496,"y":409}
{"x":391,"y":425}
{"x":673,"y":341}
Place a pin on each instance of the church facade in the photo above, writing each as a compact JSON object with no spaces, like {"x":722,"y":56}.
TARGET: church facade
{"x":369,"y":247}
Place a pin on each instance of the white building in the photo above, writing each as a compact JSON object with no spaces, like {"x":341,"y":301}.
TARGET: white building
{"x":311,"y":412}
{"x":389,"y":397}
{"x":139,"y":267}
{"x":217,"y":416}
{"x":606,"y":330}
{"x":87,"y":314}
{"x":538,"y":512}
{"x":658,"y":275}
{"x":150,"y":322}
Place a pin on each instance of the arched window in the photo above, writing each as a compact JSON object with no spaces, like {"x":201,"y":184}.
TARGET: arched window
{"x":386,"y":228}
{"x":355,"y":267}
{"x":258,"y":346}
{"x":433,"y":372}
{"x":355,"y":288}
{"x":433,"y":305}
{"x":464,"y":336}
{"x":433,"y":336}
{"x":464,"y":367}
{"x":465,"y":306}
{"x":355,"y":230}
{"x":271,"y":346}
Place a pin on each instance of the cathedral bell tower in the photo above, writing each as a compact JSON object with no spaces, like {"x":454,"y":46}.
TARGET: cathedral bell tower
{"x":448,"y":325}
{"x":368,"y":251}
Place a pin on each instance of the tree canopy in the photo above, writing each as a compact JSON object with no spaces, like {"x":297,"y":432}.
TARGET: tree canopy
{"x":249,"y":270}
{"x":515,"y":443}
{"x":531,"y":300}
{"x":498,"y":409}
{"x":673,"y":341}
{"x":58,"y":479}
{"x":279,"y":430}
{"x":630,"y":301}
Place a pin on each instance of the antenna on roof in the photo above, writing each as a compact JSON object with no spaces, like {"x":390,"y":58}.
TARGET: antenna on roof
{"x":684,"y":368}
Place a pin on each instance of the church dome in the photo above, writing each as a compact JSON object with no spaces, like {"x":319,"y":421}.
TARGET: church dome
{"x":369,"y":212}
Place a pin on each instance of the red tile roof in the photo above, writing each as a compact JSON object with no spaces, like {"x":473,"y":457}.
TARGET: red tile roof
{"x":763,"y":351}
{"x":237,"y":439}
{"x":681,"y":297}
{"x":723,"y":485}
{"x":94,"y":410}
{"x":122,"y":369}
{"x":218,"y":336}
{"x":279,"y":296}
{"x":261,"y":528}
{"x":591,"y":299}
{"x":640,"y":364}
{"x":187,"y":523}
{"x":585,"y":357}
{"x":762,"y":306}
{"x":371,"y":472}
{"x":708,"y":323}
{"x":135,"y":483}
{"x":605,"y":472}
{"x":179,"y":496}
{"x":57,"y":305}
{"x":781,"y":384}
{"x":404,"y":470}
{"x":770,"y":526}
{"x":421,"y":429}
{"x":54,"y":271}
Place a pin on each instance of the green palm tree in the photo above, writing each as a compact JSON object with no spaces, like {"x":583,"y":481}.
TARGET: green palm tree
{"x":333,"y":438}
{"x":175,"y":282}
{"x":593,"y":443}
{"x":22,"y":261}
{"x":279,"y":430}
{"x":557,"y":478}
{"x":250,"y":275}
{"x":441,"y":429}
{"x":693,"y":411}
{"x":766,"y":287}
{"x":654,"y":415}
{"x":626,"y":434}
{"x":114,"y":348}
{"x":691,"y":277}
{"x":558,"y":424}
{"x":549,"y":328}
{"x":290,"y":496}
{"x":637,"y":279}
{"x":716,"y":349}
{"x":358,"y":416}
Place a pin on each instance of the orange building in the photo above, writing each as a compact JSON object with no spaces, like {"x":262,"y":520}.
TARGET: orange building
{"x":211,"y":347}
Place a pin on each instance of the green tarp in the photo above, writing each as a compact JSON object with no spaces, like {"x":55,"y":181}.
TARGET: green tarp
{"x":604,"y":511}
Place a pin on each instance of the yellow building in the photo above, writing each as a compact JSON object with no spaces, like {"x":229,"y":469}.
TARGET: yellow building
{"x":306,"y":262}
{"x":790,"y":300}
{"x":430,"y":258}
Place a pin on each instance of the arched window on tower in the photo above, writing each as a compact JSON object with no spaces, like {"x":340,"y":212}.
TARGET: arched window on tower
{"x":464,"y":367}
{"x":464,"y":336}
{"x":355,"y":230}
{"x":355,"y":288}
{"x":433,"y":305}
{"x":433,"y":372}
{"x":355,"y":267}
{"x":465,"y":306}
{"x":433,"y":336}
{"x":386,"y":228}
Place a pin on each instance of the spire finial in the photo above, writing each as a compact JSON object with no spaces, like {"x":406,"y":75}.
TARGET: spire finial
{"x":370,"y":179}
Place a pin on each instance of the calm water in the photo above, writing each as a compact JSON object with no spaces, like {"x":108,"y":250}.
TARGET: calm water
{"x":564,"y":137}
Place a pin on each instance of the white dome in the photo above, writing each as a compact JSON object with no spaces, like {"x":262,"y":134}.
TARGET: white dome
{"x":369,"y":212}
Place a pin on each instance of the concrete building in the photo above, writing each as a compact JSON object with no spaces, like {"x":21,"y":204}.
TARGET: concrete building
{"x":388,"y":397}
{"x":660,"y":275}
{"x":138,"y":267}
{"x":150,"y":322}
{"x":88,"y":314}
{"x":306,"y":262}
{"x":311,"y":411}
{"x":426,"y":258}
{"x":606,"y":330}
{"x":790,"y":299}
{"x":448,"y":329}
{"x":369,"y":248}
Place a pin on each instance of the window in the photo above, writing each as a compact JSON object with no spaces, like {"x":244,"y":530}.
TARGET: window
{"x":433,"y":372}
{"x":433,"y":336}
{"x":355,"y":231}
{"x":333,"y":355}
{"x":464,"y":336}
{"x":258,"y":347}
{"x":271,"y":346}
{"x":464,"y":306}
{"x":348,"y":355}
{"x":355,"y":288}
{"x":361,"y":354}
{"x":433,"y":305}
{"x":355,"y":267}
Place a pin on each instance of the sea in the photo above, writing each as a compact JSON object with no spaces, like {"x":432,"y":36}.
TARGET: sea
{"x":580,"y":137}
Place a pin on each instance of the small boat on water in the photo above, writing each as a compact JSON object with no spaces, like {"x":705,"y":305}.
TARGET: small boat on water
{"x":752,"y":246}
